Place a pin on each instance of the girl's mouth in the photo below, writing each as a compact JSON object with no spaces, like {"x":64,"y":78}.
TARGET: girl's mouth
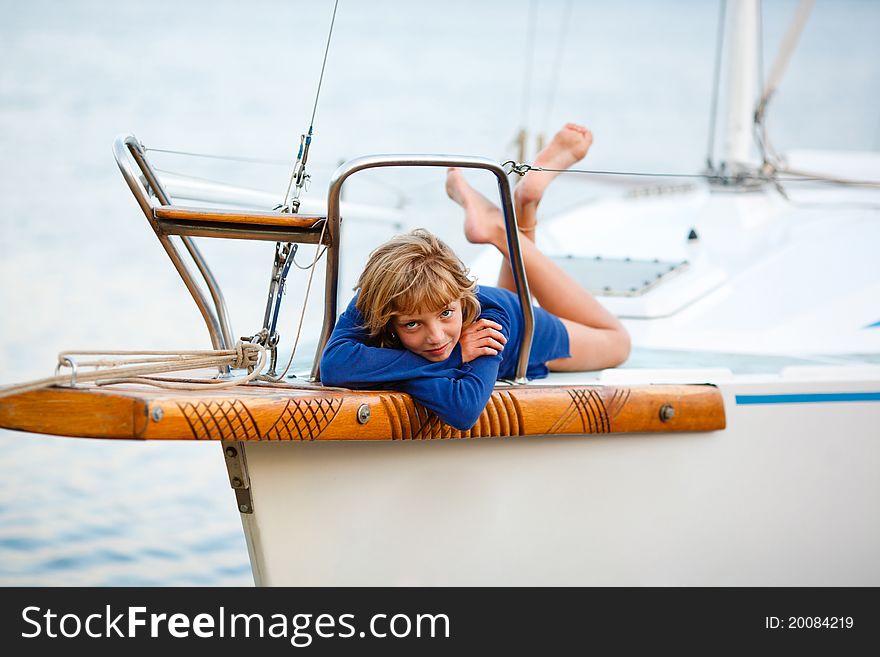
{"x":437,"y":352}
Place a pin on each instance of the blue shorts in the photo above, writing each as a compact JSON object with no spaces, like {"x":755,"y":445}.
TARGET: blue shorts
{"x":550,"y":342}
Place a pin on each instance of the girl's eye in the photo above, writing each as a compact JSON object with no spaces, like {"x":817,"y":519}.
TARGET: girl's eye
{"x":410,"y":325}
{"x":447,"y":313}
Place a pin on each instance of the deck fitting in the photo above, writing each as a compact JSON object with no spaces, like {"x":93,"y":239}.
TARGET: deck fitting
{"x":667,"y":412}
{"x":236,"y":468}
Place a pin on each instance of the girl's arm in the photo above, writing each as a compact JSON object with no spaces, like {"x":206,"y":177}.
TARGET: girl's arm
{"x":457,"y":392}
{"x":349,"y":360}
{"x":458,"y":399}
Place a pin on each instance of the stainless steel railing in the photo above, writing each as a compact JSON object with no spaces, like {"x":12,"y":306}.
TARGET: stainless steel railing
{"x":128,"y":150}
{"x":461,"y":161}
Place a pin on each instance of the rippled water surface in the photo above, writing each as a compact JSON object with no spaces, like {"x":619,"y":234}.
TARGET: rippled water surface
{"x":80,"y":268}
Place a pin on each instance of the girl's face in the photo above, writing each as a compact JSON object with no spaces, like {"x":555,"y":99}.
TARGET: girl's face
{"x":432,"y":335}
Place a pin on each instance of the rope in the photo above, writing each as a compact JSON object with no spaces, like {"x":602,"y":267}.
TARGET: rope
{"x":135,"y":369}
{"x":785,"y":52}
{"x":806,"y":176}
{"x":771,"y":160}
{"x":138,"y":365}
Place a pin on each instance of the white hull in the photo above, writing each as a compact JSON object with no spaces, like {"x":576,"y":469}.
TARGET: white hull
{"x":786,"y":495}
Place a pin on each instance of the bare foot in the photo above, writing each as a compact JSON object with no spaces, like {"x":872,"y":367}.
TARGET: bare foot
{"x":567,"y":147}
{"x":482,"y":218}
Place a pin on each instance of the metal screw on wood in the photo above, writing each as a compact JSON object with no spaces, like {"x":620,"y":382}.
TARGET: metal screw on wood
{"x":363,"y":414}
{"x":667,"y":412}
{"x":236,"y":482}
{"x":230,"y":452}
{"x":157,"y":414}
{"x":243,"y":508}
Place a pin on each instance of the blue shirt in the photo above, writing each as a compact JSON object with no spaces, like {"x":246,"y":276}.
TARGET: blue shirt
{"x":457,"y":392}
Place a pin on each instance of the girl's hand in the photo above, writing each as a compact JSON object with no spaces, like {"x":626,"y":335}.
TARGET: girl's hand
{"x":482,"y":338}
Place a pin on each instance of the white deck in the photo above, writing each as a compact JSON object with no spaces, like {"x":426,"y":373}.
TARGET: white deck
{"x":766,"y":276}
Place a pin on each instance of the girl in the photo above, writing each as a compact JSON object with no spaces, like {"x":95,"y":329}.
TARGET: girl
{"x":419,"y":325}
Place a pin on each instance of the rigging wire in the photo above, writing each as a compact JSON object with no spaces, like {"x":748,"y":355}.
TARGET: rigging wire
{"x":299,"y":176}
{"x":560,"y":49}
{"x":523,"y":168}
{"x":530,"y":56}
{"x":716,"y":86}
{"x":402,"y":195}
{"x":323,"y":65}
{"x":759,"y":44}
{"x":319,"y":252}
{"x":212,"y":181}
{"x":214,"y":156}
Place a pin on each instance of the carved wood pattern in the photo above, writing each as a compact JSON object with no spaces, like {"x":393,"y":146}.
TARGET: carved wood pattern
{"x":304,"y":419}
{"x":412,"y":421}
{"x":224,"y":420}
{"x":617,"y":402}
{"x":589,"y":410}
{"x":285,"y":413}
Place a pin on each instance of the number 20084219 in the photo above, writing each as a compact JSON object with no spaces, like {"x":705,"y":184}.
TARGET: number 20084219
{"x":808,"y":622}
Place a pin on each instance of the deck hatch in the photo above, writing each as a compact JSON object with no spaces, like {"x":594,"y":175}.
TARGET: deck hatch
{"x":619,"y":277}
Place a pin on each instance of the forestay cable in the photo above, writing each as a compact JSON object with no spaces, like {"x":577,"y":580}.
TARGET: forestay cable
{"x":561,"y":41}
{"x":299,"y":178}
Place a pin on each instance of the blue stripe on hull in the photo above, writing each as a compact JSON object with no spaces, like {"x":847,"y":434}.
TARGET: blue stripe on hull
{"x":815,"y":398}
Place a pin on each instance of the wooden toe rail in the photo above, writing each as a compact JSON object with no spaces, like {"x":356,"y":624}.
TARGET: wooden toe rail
{"x":205,"y":222}
{"x":263,"y":412}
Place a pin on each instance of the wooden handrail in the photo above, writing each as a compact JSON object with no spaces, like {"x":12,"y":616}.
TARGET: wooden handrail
{"x":243,"y":217}
{"x":280,"y":412}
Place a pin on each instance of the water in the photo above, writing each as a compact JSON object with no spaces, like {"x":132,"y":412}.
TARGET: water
{"x":80,"y":267}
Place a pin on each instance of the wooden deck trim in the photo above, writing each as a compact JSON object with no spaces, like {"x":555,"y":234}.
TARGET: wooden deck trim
{"x":279,"y":413}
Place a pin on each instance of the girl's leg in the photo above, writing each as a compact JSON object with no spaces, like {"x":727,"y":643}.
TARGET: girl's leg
{"x":567,"y":147}
{"x":597,"y":338}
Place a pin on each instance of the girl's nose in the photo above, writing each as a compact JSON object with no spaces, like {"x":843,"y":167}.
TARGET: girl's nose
{"x":436,"y":334}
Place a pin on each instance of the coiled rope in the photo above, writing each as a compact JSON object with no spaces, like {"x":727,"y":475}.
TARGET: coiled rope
{"x":134,"y":367}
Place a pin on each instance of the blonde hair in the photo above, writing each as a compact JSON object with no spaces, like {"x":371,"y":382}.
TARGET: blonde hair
{"x":412,"y":273}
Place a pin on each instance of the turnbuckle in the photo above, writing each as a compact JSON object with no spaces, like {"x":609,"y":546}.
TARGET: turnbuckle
{"x":519,"y":169}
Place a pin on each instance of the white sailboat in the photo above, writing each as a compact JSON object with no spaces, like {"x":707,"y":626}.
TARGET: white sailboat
{"x":749,"y":458}
{"x":772,"y":300}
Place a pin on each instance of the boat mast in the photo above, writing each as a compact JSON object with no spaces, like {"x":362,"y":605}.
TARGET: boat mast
{"x":739,"y":151}
{"x":737,"y":159}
